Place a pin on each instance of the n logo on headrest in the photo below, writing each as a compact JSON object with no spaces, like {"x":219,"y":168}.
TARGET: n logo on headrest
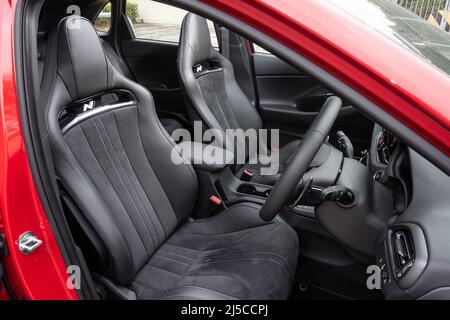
{"x":88,"y":106}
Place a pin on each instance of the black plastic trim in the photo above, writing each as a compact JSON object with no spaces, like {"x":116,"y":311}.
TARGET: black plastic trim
{"x":420,"y":254}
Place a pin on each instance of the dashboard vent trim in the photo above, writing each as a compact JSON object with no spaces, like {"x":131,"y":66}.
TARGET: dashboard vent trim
{"x":403,"y":252}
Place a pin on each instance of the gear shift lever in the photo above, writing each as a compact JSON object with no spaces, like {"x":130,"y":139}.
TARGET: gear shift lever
{"x":344,"y":144}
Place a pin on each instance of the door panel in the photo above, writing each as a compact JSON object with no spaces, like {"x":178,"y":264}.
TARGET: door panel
{"x":153,"y":64}
{"x":289,"y":100}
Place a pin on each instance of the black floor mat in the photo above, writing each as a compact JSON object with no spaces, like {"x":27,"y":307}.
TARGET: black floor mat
{"x":311,"y":292}
{"x":316,"y":282}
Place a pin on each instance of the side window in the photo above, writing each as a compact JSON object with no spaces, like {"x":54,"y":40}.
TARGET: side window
{"x":103,"y":21}
{"x":156,"y":21}
{"x":213,"y":34}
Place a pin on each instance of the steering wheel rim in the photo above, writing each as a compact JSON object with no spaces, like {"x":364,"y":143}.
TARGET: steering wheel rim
{"x":299,"y":163}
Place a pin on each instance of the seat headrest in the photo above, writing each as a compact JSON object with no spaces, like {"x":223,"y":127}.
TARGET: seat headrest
{"x":195,"y":33}
{"x":81,"y":61}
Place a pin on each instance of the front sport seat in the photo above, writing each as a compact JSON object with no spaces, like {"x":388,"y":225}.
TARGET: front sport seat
{"x":212,"y":92}
{"x":113,"y":157}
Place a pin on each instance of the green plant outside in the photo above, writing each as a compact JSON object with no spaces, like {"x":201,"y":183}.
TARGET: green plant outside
{"x":132,"y":10}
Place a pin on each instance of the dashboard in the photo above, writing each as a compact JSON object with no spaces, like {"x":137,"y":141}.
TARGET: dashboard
{"x":382,"y":149}
{"x":413,"y":252}
{"x":389,"y":162}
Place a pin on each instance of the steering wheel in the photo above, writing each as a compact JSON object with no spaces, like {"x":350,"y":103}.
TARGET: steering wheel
{"x":299,"y":162}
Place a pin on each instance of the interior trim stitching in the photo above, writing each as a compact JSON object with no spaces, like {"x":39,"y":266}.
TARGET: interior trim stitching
{"x":132,"y":187}
{"x":128,"y":192}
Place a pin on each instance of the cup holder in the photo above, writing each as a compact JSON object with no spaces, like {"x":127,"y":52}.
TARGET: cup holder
{"x":252,"y":190}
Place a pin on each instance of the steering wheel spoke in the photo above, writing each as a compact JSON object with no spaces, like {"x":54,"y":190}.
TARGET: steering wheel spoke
{"x":299,"y":162}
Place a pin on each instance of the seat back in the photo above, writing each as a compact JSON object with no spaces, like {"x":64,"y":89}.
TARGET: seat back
{"x":209,"y":83}
{"x":115,"y":60}
{"x":111,"y":152}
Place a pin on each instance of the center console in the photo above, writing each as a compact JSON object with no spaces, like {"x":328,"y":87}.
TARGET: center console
{"x":324,"y":171}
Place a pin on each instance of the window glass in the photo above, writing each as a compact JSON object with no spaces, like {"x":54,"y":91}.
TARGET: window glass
{"x":404,"y":27}
{"x":156,"y":21}
{"x":103,"y":21}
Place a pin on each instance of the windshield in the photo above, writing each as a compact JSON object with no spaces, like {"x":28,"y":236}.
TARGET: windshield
{"x":404,"y":27}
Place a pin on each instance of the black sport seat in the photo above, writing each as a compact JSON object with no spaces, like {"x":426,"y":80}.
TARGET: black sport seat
{"x":114,"y":160}
{"x":213,"y":93}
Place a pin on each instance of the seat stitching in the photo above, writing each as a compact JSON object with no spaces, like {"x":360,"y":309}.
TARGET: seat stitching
{"x":251,"y":259}
{"x":150,"y":215}
{"x":169,"y":259}
{"x":173,"y":253}
{"x":179,"y":246}
{"x":227,"y":233}
{"x":233,"y":276}
{"x":157,"y":267}
{"x":145,"y":191}
{"x":261,"y":252}
{"x":140,"y":213}
{"x":165,"y":135}
{"x":106,"y":176}
{"x":251,"y":254}
{"x":220,"y":111}
{"x":112,"y":185}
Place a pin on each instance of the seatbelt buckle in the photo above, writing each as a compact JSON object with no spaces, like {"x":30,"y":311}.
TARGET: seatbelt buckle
{"x":215,"y":205}
{"x":247,"y":175}
{"x":216,"y":200}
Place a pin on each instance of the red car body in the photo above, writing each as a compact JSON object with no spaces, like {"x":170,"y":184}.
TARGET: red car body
{"x":354,"y":53}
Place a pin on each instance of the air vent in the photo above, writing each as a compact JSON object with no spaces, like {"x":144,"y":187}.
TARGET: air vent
{"x":385,"y":146}
{"x":403,"y":252}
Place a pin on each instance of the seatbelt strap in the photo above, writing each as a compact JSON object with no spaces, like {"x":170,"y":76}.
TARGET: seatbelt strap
{"x":225,"y":41}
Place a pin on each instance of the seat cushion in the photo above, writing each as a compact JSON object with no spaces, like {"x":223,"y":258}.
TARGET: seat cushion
{"x":234,"y":255}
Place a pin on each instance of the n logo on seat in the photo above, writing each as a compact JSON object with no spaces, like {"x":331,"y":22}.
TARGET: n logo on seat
{"x":88,"y":106}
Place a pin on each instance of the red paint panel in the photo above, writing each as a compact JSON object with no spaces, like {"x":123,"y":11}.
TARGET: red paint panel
{"x":3,"y":294}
